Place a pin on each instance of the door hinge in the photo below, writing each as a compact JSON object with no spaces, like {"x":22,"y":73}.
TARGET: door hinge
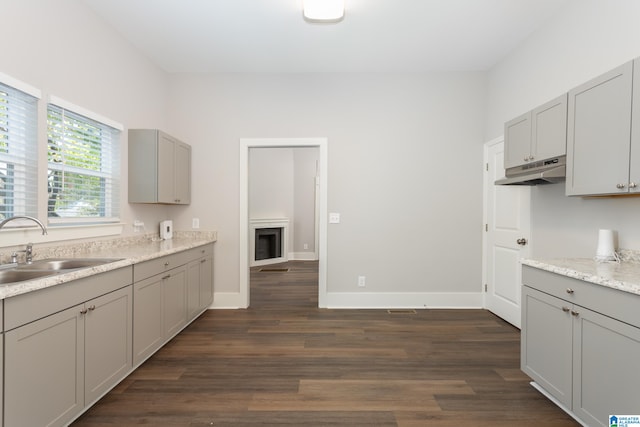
{"x":486,"y":227}
{"x":486,"y":167}
{"x":486,"y":287}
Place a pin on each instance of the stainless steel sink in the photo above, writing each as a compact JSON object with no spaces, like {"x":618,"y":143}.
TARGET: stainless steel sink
{"x":48,"y":267}
{"x":65,"y":263}
{"x":16,"y":275}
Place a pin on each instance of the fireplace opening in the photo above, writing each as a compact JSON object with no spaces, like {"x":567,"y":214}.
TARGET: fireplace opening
{"x":268,"y":243}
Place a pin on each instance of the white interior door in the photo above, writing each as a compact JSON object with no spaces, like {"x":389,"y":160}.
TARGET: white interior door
{"x":507,"y":222}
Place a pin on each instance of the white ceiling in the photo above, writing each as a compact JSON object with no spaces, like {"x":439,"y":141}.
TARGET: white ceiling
{"x":375,"y":35}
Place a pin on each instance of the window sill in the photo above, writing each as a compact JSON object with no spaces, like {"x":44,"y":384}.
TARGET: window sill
{"x":21,"y":236}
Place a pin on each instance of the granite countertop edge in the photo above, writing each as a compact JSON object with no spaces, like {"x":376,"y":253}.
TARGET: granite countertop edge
{"x":623,"y":276}
{"x":126,"y":252}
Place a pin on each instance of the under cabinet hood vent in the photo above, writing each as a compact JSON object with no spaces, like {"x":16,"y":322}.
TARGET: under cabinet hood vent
{"x":543,"y":172}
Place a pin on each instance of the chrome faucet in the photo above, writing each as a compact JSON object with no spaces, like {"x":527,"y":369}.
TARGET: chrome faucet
{"x":28,"y":254}
{"x":36,"y":220}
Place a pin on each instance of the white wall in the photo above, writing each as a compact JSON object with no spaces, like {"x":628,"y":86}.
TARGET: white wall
{"x":101,"y":73}
{"x":305,"y":162}
{"x":586,"y":39}
{"x":405,"y":156}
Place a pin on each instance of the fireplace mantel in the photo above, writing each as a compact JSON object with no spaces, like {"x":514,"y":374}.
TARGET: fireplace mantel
{"x":262,"y":223}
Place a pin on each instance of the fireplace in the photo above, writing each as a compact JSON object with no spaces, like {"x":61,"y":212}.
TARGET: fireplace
{"x":268,"y":241}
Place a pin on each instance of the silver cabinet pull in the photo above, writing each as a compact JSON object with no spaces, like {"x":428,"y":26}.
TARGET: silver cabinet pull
{"x":565,"y":309}
{"x":93,"y":307}
{"x":570,"y":291}
{"x":620,"y":186}
{"x":522,"y":241}
{"x":203,"y":261}
{"x":83,"y":311}
{"x":166,"y":277}
{"x":575,"y":313}
{"x":632,"y":184}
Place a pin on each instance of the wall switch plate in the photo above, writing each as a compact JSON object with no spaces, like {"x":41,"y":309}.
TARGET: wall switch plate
{"x":305,"y":246}
{"x":137,"y":225}
{"x":195,"y":223}
{"x":334,"y":218}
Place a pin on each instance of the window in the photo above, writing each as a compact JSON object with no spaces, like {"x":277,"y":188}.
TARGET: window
{"x":83,"y":166}
{"x":18,"y":151}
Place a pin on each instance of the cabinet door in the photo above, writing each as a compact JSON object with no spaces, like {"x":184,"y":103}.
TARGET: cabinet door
{"x":599,"y":134}
{"x":517,"y":141}
{"x":166,"y":162}
{"x":174,"y":301}
{"x":546,"y":344}
{"x":148,"y":318}
{"x":108,"y":331}
{"x":182,"y":173}
{"x":44,"y":370}
{"x":206,"y":282}
{"x":634,"y":172}
{"x":605,"y":372}
{"x":193,"y":289}
{"x":549,"y":129}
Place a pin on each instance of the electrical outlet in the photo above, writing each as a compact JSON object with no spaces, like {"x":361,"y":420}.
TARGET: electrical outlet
{"x":334,"y":218}
{"x":195,"y":223}
{"x":305,"y":246}
{"x":362,"y":281}
{"x":137,"y":225}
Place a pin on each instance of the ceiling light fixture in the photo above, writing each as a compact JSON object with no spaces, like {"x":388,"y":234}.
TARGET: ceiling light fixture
{"x":323,"y":10}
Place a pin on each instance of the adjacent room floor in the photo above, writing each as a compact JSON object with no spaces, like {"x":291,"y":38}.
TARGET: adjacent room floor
{"x":284,"y":362}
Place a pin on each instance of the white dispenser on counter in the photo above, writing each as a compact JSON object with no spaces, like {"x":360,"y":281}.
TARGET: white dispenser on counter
{"x":166,"y":229}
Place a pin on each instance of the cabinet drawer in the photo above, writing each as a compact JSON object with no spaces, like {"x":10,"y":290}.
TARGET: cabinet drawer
{"x":146,"y":269}
{"x":25,"y":308}
{"x":616,"y":304}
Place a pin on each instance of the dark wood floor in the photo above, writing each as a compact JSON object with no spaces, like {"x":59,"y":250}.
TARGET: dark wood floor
{"x":284,"y":362}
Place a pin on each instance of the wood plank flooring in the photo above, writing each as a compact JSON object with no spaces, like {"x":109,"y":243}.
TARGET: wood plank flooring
{"x":284,"y":362}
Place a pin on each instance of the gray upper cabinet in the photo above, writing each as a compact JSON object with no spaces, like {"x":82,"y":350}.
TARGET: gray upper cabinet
{"x":537,"y":135}
{"x":599,"y":136}
{"x":159,"y":168}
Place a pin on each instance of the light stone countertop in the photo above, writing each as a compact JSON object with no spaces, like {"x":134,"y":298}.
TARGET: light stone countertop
{"x":129,"y":251}
{"x":624,"y":276}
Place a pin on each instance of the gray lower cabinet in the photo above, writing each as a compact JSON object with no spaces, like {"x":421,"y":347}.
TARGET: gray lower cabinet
{"x":200,"y":283}
{"x":59,"y":364}
{"x":580,"y":343}
{"x":160,"y":311}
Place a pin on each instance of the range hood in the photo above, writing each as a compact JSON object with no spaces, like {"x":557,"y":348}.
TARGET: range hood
{"x":543,"y":172}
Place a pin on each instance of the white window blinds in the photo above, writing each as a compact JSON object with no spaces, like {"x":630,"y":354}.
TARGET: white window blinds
{"x":18,"y":153}
{"x":83,"y":181}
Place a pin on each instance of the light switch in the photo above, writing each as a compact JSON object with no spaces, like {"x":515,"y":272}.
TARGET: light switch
{"x":334,"y":218}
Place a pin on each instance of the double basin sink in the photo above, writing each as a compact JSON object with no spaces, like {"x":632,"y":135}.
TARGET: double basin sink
{"x":14,"y":273}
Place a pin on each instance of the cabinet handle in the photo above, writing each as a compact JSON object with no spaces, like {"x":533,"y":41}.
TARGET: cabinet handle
{"x":620,"y":186}
{"x":166,"y":277}
{"x":569,"y":290}
{"x":575,"y":313}
{"x":202,"y":261}
{"x":166,"y":264}
{"x":565,"y":309}
{"x":93,"y":307}
{"x":526,"y":158}
{"x":83,"y":311}
{"x":531,"y":157}
{"x":632,"y":184}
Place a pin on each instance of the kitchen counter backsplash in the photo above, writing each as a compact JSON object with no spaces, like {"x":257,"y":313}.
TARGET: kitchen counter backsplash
{"x":108,"y":246}
{"x":624,"y":276}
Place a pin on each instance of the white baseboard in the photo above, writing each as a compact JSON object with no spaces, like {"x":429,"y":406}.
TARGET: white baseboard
{"x":303,"y":256}
{"x":228,"y":300}
{"x":361,"y":300}
{"x":404,"y":300}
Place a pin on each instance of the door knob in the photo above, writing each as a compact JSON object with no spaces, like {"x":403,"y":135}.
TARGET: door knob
{"x":522,"y":241}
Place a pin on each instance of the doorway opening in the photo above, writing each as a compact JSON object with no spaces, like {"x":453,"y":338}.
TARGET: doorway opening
{"x":247,"y":236}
